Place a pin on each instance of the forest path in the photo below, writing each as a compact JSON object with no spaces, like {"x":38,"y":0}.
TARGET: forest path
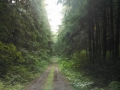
{"x":51,"y":79}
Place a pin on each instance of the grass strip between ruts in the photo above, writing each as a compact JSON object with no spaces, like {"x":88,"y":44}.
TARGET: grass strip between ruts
{"x":49,"y":81}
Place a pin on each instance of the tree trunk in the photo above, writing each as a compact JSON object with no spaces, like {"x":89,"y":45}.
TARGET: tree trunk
{"x":117,"y":31}
{"x":104,"y":35}
{"x":112,"y":29}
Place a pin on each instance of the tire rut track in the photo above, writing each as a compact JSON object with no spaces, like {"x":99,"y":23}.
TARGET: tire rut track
{"x":38,"y":84}
{"x":59,"y":81}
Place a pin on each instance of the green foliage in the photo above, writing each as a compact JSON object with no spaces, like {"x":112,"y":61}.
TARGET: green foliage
{"x":96,"y":88}
{"x":67,"y":65}
{"x":77,"y":61}
{"x":9,"y":56}
{"x":25,"y":41}
{"x":10,"y":87}
{"x":17,"y":74}
{"x":76,"y":78}
{"x":108,"y":54}
{"x":115,"y":85}
{"x":89,"y":38}
{"x":34,"y":63}
{"x":80,"y":59}
{"x":79,"y":80}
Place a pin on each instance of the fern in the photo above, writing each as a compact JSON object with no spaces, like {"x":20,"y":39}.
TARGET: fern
{"x":115,"y":85}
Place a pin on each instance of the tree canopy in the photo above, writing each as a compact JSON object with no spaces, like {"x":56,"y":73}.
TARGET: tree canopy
{"x":25,"y":38}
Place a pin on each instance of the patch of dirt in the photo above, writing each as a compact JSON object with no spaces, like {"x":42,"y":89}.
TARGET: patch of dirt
{"x":60,"y":82}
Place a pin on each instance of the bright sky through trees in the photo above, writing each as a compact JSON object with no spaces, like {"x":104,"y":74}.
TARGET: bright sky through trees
{"x":54,"y":14}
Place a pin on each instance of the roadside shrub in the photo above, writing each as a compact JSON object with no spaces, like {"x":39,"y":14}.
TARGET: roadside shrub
{"x":10,"y":87}
{"x":115,"y":85}
{"x":17,"y":74}
{"x":80,"y":59}
{"x":9,"y":56}
{"x":76,"y":78}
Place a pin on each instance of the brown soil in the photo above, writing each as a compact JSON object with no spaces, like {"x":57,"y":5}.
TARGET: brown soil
{"x":60,"y":82}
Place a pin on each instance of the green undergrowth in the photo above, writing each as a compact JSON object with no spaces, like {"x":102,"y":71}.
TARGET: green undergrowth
{"x":76,"y":79}
{"x":14,"y":81}
{"x":80,"y":81}
{"x":49,"y":81}
{"x":10,"y":87}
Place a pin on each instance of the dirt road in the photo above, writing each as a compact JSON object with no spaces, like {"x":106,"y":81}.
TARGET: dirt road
{"x":51,"y":79}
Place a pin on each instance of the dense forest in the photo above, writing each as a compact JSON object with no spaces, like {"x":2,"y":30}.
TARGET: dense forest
{"x":89,"y":39}
{"x":25,"y":41}
{"x":87,"y":46}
